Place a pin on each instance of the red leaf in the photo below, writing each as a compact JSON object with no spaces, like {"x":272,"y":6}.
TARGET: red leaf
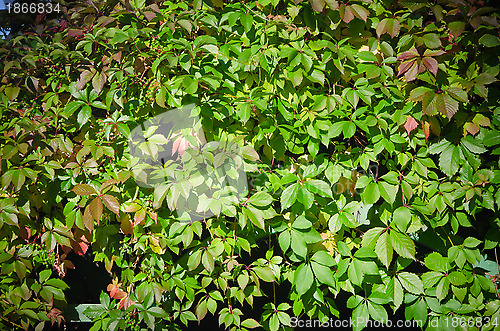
{"x":85,"y":77}
{"x":411,"y":74}
{"x":405,"y":66}
{"x":410,"y":124}
{"x":409,"y":54}
{"x":431,"y":64}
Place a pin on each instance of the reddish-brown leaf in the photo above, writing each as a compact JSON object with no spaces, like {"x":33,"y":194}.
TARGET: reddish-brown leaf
{"x":85,"y":77}
{"x":409,"y":54}
{"x":405,"y":66}
{"x":346,"y":13}
{"x":98,"y":81}
{"x":410,"y":124}
{"x":431,"y":64}
{"x":411,"y":74}
{"x":84,"y":189}
{"x":382,"y":27}
{"x":111,"y":203}
{"x":139,"y":217}
{"x":393,"y":27}
{"x":96,"y":209}
{"x":88,"y":220}
{"x":472,"y":128}
{"x":126,"y":225}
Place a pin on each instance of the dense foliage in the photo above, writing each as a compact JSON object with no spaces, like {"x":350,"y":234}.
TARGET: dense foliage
{"x":369,"y":131}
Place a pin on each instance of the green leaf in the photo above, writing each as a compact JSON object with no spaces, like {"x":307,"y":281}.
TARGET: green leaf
{"x":367,"y":56}
{"x":289,"y":196}
{"x":403,"y":245}
{"x":322,"y":257}
{"x":323,"y":274}
{"x":431,"y":40}
{"x":383,"y":249}
{"x":489,"y":40}
{"x":371,"y":194}
{"x":303,"y":278}
{"x":387,"y":191}
{"x":471,"y":242}
{"x":402,"y":217}
{"x":84,"y":115}
{"x":319,"y":187}
{"x":449,"y":160}
{"x":260,"y":199}
{"x":298,"y":244}
{"x":411,"y":282}
{"x":436,"y":262}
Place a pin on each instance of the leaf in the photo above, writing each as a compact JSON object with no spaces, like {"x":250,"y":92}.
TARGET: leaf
{"x":111,"y":203}
{"x":371,"y":194}
{"x":260,"y":199}
{"x":317,"y":5}
{"x":367,"y":56}
{"x":85,"y":77}
{"x":84,"y":189}
{"x":409,"y":54}
{"x":98,"y":81}
{"x":403,"y":245}
{"x":96,"y":209}
{"x":303,"y":278}
{"x":410,"y":124}
{"x":249,"y":153}
{"x":383,"y":249}
{"x":431,"y":40}
{"x":289,"y":196}
{"x":489,"y":40}
{"x":387,"y":191}
{"x":417,"y":94}
{"x":250,"y":323}
{"x":436,"y":262}
{"x":319,"y":187}
{"x":390,"y":26}
{"x":88,"y":220}
{"x":323,"y":274}
{"x":431,"y":64}
{"x":360,"y":12}
{"x":449,"y":160}
{"x":402,"y":217}
{"x":246,"y":21}
{"x":457,"y":93}
{"x":84,"y":115}
{"x":456,"y":28}
{"x":411,"y":282}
